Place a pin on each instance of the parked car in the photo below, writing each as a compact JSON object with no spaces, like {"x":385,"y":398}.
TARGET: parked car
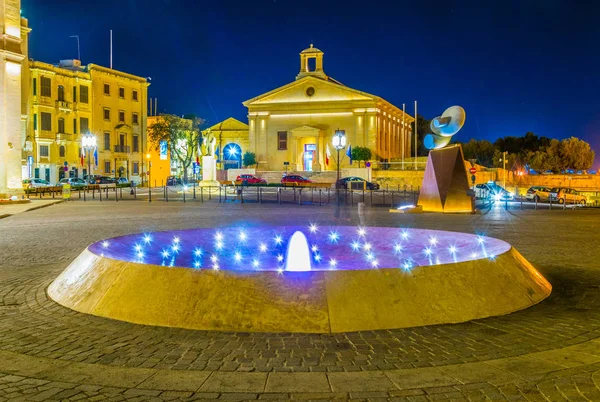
{"x":34,"y":183}
{"x":538,"y":193}
{"x":493,"y":191}
{"x":344,"y":182}
{"x":174,"y":181}
{"x":73,"y":181}
{"x":104,"y":180}
{"x":122,"y":180}
{"x":250,"y":179}
{"x":569,"y":195}
{"x":294,"y":178}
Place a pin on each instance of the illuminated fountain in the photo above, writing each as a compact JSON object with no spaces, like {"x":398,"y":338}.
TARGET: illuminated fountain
{"x":299,"y":279}
{"x":298,"y":253}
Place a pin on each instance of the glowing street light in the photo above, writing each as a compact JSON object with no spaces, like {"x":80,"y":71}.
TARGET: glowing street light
{"x":339,"y":142}
{"x":88,"y":142}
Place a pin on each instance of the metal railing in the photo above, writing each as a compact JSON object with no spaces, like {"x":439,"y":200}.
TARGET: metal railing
{"x":122,"y":148}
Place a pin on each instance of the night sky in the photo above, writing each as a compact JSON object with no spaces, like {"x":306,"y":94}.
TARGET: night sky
{"x":515,"y":66}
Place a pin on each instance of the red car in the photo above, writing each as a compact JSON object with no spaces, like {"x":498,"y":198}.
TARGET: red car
{"x":294,"y":178}
{"x":250,"y":179}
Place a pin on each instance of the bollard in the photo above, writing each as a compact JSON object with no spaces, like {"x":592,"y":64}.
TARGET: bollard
{"x":383,"y":197}
{"x":100,"y":193}
{"x":260,"y":195}
{"x":363,"y":197}
{"x":279,"y":195}
{"x":564,"y":203}
{"x":300,"y":197}
{"x":184,"y":194}
{"x":521,"y":203}
{"x":194,"y":189}
{"x":319,"y":197}
{"x":351,"y":197}
{"x":294,"y":193}
{"x":328,"y":195}
{"x":201,"y":194}
{"x":93,"y":193}
{"x":392,"y":202}
{"x":116,"y":194}
{"x":219,"y":193}
{"x":150,"y":192}
{"x":166,"y":194}
{"x":84,"y":191}
{"x":550,"y":203}
{"x":242,"y":194}
{"x":371,"y":197}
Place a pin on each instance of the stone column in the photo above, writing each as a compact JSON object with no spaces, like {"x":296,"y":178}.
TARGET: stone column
{"x":317,"y":158}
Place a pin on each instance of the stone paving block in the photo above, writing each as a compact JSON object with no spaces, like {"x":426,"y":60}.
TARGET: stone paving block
{"x":567,"y":357}
{"x":297,"y":382}
{"x":360,"y":381}
{"x":420,"y":378}
{"x":175,"y":380}
{"x":234,"y":382}
{"x":479,"y":372}
{"x":524,"y":366}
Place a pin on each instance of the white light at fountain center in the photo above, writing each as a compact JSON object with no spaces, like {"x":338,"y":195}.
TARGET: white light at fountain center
{"x":298,"y":253}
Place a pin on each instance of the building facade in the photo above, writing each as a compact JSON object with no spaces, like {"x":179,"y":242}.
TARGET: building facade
{"x":13,"y":105}
{"x":68,"y":101}
{"x":295,"y":123}
{"x":232,"y":140}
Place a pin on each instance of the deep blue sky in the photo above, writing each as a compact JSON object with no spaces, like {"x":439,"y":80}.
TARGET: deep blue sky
{"x":514,"y":65}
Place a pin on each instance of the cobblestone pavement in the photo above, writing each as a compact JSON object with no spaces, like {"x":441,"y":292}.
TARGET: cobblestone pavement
{"x":548,"y":352}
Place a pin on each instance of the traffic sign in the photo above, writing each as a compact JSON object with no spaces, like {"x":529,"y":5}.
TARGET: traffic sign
{"x":472,"y":170}
{"x":368,"y":164}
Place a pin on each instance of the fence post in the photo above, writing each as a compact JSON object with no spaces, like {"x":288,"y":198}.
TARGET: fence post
{"x":150,"y":192}
{"x":371,"y":197}
{"x":535,"y":199}
{"x":564,"y":202}
{"x":84,"y":191}
{"x":384,"y":197}
{"x":183,"y":187}
{"x":392,"y":202}
{"x":116,"y":194}
{"x":260,"y":195}
{"x":194,"y":189}
{"x":166,"y":194}
{"x":319,"y":197}
{"x":219,"y":193}
{"x":100,"y":193}
{"x":242,"y":193}
{"x":300,"y":196}
{"x":201,"y":194}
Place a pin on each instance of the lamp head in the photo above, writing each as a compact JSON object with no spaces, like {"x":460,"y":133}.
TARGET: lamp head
{"x":339,"y":139}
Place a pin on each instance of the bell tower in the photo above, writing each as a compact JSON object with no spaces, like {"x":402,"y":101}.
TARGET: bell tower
{"x":311,"y":63}
{"x":13,"y":53}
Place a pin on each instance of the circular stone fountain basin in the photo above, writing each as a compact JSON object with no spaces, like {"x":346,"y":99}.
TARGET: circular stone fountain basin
{"x":299,"y":279}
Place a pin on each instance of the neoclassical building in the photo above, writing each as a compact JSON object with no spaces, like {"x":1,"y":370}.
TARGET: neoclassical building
{"x":295,"y":122}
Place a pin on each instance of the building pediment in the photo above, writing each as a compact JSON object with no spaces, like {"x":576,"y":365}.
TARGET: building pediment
{"x":310,"y":89}
{"x":229,"y":124}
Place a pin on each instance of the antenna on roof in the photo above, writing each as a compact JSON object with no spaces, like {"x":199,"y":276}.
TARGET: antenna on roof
{"x":111,"y":49}
{"x":78,"y":50}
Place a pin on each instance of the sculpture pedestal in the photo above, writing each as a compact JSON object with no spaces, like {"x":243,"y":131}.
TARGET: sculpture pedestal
{"x":209,"y":174}
{"x":445,"y":185}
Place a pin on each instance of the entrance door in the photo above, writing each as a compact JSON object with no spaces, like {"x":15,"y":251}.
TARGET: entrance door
{"x":47,"y":174}
{"x":61,"y":173}
{"x":309,"y":155}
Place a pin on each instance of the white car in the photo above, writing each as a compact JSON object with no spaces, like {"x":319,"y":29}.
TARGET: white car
{"x":34,"y":183}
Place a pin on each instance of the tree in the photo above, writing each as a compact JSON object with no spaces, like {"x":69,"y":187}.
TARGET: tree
{"x":249,"y":159}
{"x":577,"y":154}
{"x":482,"y":151}
{"x":182,"y":136}
{"x":361,"y":154}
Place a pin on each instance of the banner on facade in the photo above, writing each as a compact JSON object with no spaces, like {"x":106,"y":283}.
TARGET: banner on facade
{"x":163,"y":150}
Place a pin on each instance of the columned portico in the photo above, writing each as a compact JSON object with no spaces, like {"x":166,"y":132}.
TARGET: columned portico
{"x":305,"y":148}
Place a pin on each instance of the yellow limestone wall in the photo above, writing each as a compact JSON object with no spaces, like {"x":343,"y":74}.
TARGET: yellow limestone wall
{"x":314,"y":302}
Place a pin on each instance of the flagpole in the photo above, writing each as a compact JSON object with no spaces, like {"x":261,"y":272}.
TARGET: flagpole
{"x":416,"y":125}
{"x":403,"y":133}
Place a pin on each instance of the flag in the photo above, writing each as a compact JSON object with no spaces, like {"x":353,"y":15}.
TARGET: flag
{"x":349,"y":153}
{"x":327,"y":155}
{"x":96,"y":156}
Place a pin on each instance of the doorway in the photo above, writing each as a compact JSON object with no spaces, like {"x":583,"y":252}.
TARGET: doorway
{"x":309,"y":156}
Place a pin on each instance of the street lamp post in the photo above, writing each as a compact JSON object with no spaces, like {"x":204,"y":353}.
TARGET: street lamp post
{"x":149,"y":185}
{"x":88,"y":141}
{"x":339,"y":143}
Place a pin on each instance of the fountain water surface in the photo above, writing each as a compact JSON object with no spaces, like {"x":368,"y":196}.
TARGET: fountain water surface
{"x":298,"y":254}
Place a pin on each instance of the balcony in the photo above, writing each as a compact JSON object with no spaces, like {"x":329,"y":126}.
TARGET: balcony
{"x":63,"y":137}
{"x":122,"y":148}
{"x":81,"y":106}
{"x":64,"y":106}
{"x":46,"y":135}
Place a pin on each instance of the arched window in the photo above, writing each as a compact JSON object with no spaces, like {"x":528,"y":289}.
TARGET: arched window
{"x":62,"y":151}
{"x":232,"y":156}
